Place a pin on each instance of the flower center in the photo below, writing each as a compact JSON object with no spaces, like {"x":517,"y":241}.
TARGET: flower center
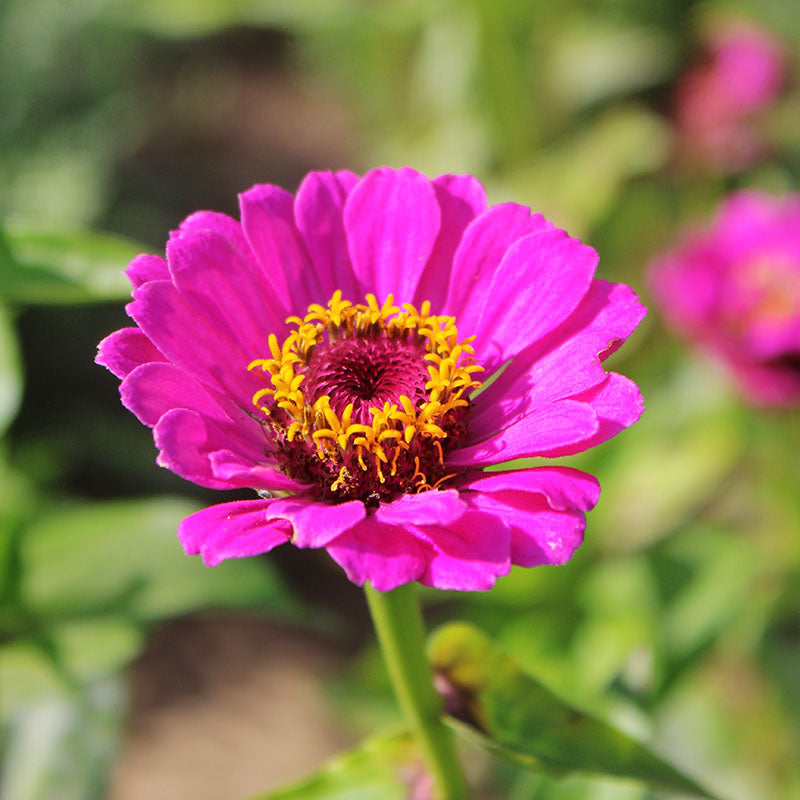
{"x":367,"y":372}
{"x":364,"y":401}
{"x":772,"y":286}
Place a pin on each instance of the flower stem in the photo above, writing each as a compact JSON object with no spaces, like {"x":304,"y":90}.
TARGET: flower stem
{"x":401,"y":634}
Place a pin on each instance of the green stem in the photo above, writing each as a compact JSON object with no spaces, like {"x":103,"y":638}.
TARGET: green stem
{"x":401,"y":634}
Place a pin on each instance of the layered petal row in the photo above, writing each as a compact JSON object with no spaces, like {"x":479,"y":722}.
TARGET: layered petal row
{"x":252,"y":336}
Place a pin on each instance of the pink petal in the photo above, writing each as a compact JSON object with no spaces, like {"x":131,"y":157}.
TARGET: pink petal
{"x":186,"y":440}
{"x":318,"y":214}
{"x":189,"y":342}
{"x":223,"y":287}
{"x":617,"y":402}
{"x":556,"y":427}
{"x":543,"y":508}
{"x":385,"y":555}
{"x":425,"y":508}
{"x":540,"y":536}
{"x":215,"y":222}
{"x":241,"y":243}
{"x":469,"y":554}
{"x":317,"y":524}
{"x":565,"y":362}
{"x":146,"y":268}
{"x":231,"y":530}
{"x":614,"y":404}
{"x":563,"y":487}
{"x":461,"y":198}
{"x":153,"y":389}
{"x":238,"y":471}
{"x":124,"y":350}
{"x":392,"y":219}
{"x":538,"y":284}
{"x":268,"y":222}
{"x":483,"y":245}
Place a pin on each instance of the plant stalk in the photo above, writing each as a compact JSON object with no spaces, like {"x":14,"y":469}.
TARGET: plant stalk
{"x":401,"y":635}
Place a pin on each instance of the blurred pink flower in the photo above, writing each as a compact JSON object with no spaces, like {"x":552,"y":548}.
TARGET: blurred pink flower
{"x":739,"y":75}
{"x":327,"y":352}
{"x":735,"y":290}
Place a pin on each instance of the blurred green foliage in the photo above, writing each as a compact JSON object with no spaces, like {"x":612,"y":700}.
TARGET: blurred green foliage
{"x":678,"y":619}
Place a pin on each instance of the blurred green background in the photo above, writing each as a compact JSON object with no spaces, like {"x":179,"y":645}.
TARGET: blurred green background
{"x":679,"y":618}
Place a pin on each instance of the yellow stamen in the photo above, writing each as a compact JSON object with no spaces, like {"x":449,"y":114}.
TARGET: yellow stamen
{"x":391,"y":430}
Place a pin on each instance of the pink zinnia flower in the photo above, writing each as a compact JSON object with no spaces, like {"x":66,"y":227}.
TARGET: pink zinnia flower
{"x":735,"y":290}
{"x":739,"y":75}
{"x":327,"y":352}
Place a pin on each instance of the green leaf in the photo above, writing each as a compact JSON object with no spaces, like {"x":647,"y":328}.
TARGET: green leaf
{"x":44,"y":266}
{"x":383,"y":767}
{"x":124,"y":556}
{"x":10,"y":369}
{"x":519,"y":720}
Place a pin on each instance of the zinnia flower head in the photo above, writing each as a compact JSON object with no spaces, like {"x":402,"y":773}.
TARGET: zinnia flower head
{"x":739,"y":74}
{"x":331,"y":351}
{"x":734,"y":289}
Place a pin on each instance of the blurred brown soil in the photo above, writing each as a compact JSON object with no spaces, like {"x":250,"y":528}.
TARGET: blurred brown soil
{"x":218,"y":114}
{"x":226,"y":706}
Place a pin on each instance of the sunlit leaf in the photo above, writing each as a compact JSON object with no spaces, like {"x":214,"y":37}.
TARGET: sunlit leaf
{"x":64,"y":266}
{"x":125,"y":556}
{"x":593,"y":58}
{"x":382,"y":767}
{"x":515,"y":717}
{"x":531,"y":786}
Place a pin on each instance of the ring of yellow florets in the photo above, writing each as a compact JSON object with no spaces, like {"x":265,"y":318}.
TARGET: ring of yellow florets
{"x":402,"y":448}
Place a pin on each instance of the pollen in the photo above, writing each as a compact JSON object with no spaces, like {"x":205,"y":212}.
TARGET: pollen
{"x":364,"y":401}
